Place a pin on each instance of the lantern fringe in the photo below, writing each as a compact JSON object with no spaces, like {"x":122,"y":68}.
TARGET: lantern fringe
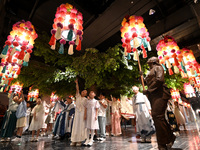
{"x":1,"y":89}
{"x":170,"y":71}
{"x":168,"y":64}
{"x":196,"y":75}
{"x":125,"y":51}
{"x":176,"y":69}
{"x":61,"y":49}
{"x":5,"y":50}
{"x":13,"y":51}
{"x":1,"y":68}
{"x":77,"y":39}
{"x":128,"y":56}
{"x":9,"y":58}
{"x":163,"y":67}
{"x":4,"y":69}
{"x":70,"y":50}
{"x":25,"y":63}
{"x":21,"y":55}
{"x":58,"y":33}
{"x":149,"y":47}
{"x":70,"y":35}
{"x":53,"y":47}
{"x":26,"y":57}
{"x":183,"y":67}
{"x":192,"y":71}
{"x":144,"y":52}
{"x":135,"y":56}
{"x":18,"y":71}
{"x":52,"y":40}
{"x":78,"y":47}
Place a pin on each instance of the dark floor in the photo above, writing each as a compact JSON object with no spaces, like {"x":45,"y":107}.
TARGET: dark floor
{"x":188,"y":140}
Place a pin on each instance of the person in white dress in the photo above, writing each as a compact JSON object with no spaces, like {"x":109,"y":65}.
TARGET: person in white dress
{"x":142,"y":109}
{"x":91,"y":117}
{"x":50,"y":119}
{"x":37,"y":122}
{"x":179,"y":116}
{"x":78,"y":130}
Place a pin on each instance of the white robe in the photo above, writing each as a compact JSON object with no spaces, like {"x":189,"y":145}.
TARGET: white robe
{"x":78,"y":129}
{"x":141,"y":107}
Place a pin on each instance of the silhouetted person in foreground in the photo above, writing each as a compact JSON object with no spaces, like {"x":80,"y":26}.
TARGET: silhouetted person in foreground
{"x":158,"y":96}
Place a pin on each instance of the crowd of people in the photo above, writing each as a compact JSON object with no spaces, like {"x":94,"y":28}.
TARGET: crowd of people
{"x":81,"y":119}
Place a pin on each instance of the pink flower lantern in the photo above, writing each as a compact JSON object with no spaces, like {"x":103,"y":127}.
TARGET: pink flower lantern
{"x":53,"y":97}
{"x":16,"y":88}
{"x":17,"y":50}
{"x":67,"y":27}
{"x":33,"y":95}
{"x":134,"y":36}
{"x":169,"y":54}
{"x":189,"y":90}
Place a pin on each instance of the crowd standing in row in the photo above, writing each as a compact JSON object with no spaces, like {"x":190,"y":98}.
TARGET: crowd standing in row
{"x":82,"y":119}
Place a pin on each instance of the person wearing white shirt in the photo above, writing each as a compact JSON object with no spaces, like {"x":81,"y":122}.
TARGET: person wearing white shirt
{"x":102,"y":118}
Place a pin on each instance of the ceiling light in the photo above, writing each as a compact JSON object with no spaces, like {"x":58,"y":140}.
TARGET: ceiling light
{"x":151,"y":11}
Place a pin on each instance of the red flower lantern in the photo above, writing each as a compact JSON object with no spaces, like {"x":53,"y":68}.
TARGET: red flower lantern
{"x":53,"y":97}
{"x":33,"y":95}
{"x":16,"y":88}
{"x":67,"y":27}
{"x":134,"y":36}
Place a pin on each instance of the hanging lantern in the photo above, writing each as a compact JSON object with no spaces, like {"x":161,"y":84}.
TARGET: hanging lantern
{"x":169,"y":54}
{"x":175,"y":95}
{"x":135,"y":36}
{"x":16,"y":52}
{"x":189,"y":90}
{"x":190,"y":63}
{"x":33,"y":95}
{"x":53,"y":97}
{"x":67,"y":27}
{"x":16,"y":88}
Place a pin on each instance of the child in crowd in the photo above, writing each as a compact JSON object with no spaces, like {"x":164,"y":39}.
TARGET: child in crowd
{"x":28,"y":114}
{"x":116,"y":115}
{"x":10,"y":119}
{"x":108,"y":117}
{"x":91,"y":117}
{"x":102,"y":118}
{"x":37,"y":122}
{"x":50,"y":119}
{"x":46,"y":110}
{"x":21,"y":118}
{"x":78,"y":129}
{"x":179,"y":116}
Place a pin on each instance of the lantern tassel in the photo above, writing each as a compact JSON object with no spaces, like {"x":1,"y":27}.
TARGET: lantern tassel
{"x":176,"y":70}
{"x":52,"y":40}
{"x":25,"y":63}
{"x":135,"y":56}
{"x":61,"y":49}
{"x":70,"y":35}
{"x":170,"y":71}
{"x":192,"y":71}
{"x":5,"y":50}
{"x":78,"y":47}
{"x":26,"y":57}
{"x":164,"y":67}
{"x":168,"y":64}
{"x":53,"y":47}
{"x":129,"y":56}
{"x":144,"y":52}
{"x":13,"y":51}
{"x":58,"y":33}
{"x":183,"y":67}
{"x":4,"y":69}
{"x":77,"y":40}
{"x":70,"y":50}
{"x":1,"y":89}
{"x":18,"y":71}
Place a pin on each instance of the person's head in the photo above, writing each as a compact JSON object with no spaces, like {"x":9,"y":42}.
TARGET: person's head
{"x":153,"y":61}
{"x":92,"y":94}
{"x":175,"y":103}
{"x":84,"y":93}
{"x":101,"y":96}
{"x":114,"y":99}
{"x":38,"y":101}
{"x":16,"y":98}
{"x":28,"y":105}
{"x":135,"y":89}
{"x":69,"y":100}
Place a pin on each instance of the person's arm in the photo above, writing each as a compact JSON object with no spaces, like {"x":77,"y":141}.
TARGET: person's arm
{"x":96,"y":114}
{"x":104,"y":105}
{"x":77,"y":87}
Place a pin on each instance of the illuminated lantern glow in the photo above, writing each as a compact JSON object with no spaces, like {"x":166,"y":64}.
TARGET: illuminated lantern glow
{"x":53,"y":97}
{"x":68,"y":26}
{"x":189,"y":90}
{"x":33,"y":95}
{"x":16,"y":88}
{"x":134,"y":36}
{"x":16,"y":52}
{"x":175,"y":94}
{"x":169,"y":54}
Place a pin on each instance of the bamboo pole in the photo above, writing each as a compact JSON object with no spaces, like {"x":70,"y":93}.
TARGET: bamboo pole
{"x":142,"y":79}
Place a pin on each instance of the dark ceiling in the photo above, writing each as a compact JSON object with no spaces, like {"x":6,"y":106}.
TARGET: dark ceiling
{"x":102,"y":19}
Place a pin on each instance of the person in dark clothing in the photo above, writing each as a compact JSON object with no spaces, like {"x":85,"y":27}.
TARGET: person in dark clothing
{"x":158,"y":95}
